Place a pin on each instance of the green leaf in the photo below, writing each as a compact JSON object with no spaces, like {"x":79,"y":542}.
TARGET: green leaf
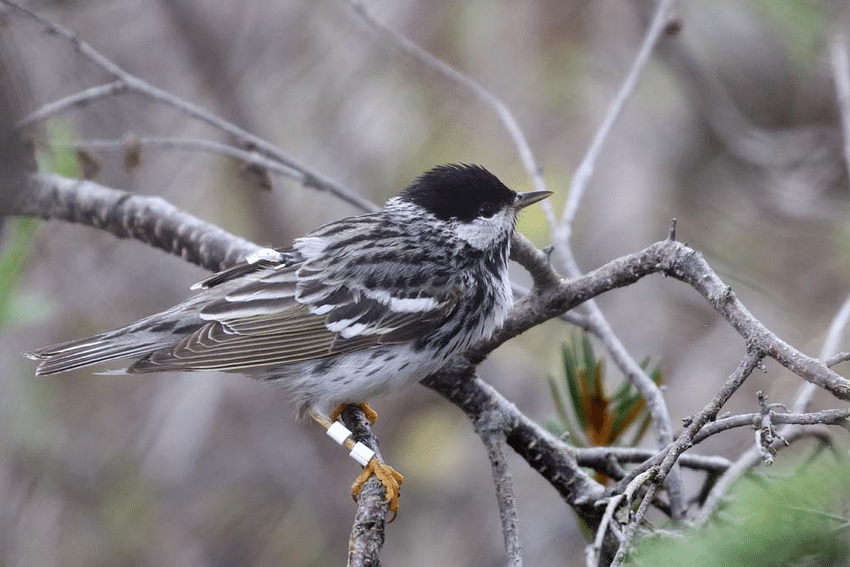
{"x":572,"y":378}
{"x":587,"y":350}
{"x":558,"y":401}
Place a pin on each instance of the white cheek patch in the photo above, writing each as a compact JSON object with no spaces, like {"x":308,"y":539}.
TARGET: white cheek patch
{"x":481,"y":233}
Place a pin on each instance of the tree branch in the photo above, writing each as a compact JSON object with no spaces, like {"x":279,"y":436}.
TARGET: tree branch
{"x":127,"y":82}
{"x":367,"y":531}
{"x":543,"y":452}
{"x":191,"y":145}
{"x":751,"y":361}
{"x":658,"y":25}
{"x":491,"y":429}
{"x":597,"y":458}
{"x":151,"y":220}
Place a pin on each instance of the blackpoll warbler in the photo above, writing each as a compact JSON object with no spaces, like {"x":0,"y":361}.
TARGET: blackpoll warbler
{"x":357,"y":308}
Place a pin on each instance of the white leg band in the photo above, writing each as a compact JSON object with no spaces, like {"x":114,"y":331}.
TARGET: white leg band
{"x":361,"y":453}
{"x":338,"y":432}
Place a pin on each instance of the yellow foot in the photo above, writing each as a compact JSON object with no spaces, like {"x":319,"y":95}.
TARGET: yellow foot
{"x":370,"y":414}
{"x":389,"y":477}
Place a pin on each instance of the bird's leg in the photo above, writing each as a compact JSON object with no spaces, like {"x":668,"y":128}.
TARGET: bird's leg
{"x":389,"y":477}
{"x":370,"y":414}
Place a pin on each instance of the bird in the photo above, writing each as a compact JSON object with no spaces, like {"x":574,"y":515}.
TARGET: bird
{"x":355,"y":309}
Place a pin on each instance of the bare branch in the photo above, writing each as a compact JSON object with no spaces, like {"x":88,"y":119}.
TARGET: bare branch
{"x":192,"y":145}
{"x":597,"y":457}
{"x":837,"y":359}
{"x":841,"y":74}
{"x":126,"y":82}
{"x":543,"y":452}
{"x":581,"y":178}
{"x":76,"y":100}
{"x":151,"y":220}
{"x":795,"y":430}
{"x":747,"y":461}
{"x":491,"y":429}
{"x":839,"y":417}
{"x":631,"y":528}
{"x":593,"y":554}
{"x":751,"y":361}
{"x":367,"y":531}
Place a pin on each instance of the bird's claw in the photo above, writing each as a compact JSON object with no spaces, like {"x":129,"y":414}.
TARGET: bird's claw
{"x":389,"y":477}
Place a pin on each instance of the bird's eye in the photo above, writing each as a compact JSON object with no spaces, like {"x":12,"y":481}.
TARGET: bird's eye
{"x":487,"y":210}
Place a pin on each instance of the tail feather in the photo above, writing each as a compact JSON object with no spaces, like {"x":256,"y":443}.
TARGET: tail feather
{"x":134,"y":341}
{"x":71,"y":360}
{"x":93,"y":350}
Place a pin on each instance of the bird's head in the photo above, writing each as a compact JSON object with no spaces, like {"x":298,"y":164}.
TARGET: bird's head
{"x":480,"y":209}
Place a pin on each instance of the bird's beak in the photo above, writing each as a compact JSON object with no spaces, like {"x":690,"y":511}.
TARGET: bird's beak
{"x":529,"y":198}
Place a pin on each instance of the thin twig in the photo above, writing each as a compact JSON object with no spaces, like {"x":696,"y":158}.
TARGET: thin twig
{"x":500,"y":108}
{"x":76,"y":100}
{"x":631,"y":528}
{"x":192,"y":145}
{"x":751,"y":361}
{"x":593,"y":552}
{"x":582,"y":176}
{"x":127,"y":82}
{"x":839,"y":417}
{"x":596,"y":457}
{"x":491,"y":427}
{"x":367,"y":530}
{"x":593,"y":457}
{"x":837,"y":359}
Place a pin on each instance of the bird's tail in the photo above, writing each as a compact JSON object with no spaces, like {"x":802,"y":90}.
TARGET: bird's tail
{"x":133,"y":341}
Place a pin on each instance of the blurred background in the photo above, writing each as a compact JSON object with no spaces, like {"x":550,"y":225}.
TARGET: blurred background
{"x":733,"y":130}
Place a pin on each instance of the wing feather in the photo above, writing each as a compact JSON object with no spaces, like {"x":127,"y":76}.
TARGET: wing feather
{"x":306,"y":310}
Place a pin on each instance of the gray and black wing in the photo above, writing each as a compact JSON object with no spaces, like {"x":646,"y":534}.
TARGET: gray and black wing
{"x":300,"y":313}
